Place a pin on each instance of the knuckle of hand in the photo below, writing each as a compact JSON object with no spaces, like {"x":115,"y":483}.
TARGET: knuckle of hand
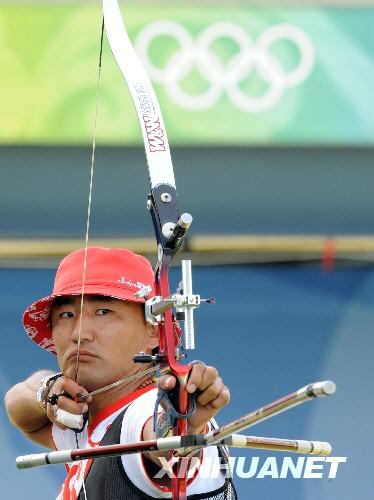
{"x":216,"y":388}
{"x":212,"y":372}
{"x":64,"y":383}
{"x":216,"y":404}
{"x":226,"y":396}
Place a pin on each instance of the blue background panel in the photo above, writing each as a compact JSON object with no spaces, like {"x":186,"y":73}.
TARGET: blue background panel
{"x":273,"y":330}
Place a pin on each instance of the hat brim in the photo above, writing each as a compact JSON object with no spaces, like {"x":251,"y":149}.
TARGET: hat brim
{"x":37,"y":317}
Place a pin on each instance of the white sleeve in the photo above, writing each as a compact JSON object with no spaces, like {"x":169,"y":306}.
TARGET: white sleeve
{"x":132,"y":427}
{"x":63,"y":439}
{"x":67,"y":439}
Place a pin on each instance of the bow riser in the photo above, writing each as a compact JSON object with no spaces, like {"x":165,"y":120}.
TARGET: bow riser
{"x":168,"y":363}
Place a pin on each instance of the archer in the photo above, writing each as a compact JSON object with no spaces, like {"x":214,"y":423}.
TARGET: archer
{"x":94,"y":322}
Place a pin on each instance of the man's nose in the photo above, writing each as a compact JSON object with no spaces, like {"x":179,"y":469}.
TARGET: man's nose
{"x":82,"y":328}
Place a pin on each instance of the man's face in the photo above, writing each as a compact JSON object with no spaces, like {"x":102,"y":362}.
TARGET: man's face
{"x":112,"y":332}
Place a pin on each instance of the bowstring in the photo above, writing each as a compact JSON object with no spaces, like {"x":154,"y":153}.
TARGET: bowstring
{"x":88,"y":228}
{"x":89,"y":200}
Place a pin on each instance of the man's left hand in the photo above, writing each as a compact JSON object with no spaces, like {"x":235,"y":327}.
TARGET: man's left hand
{"x":211,"y":394}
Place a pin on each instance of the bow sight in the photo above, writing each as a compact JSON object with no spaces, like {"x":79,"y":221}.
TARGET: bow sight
{"x":184,"y":300}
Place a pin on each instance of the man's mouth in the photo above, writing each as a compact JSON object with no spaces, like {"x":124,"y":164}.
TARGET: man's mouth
{"x":83,"y":355}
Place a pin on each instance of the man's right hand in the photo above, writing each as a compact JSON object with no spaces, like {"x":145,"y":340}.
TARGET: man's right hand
{"x":27,"y":415}
{"x":68,"y":401}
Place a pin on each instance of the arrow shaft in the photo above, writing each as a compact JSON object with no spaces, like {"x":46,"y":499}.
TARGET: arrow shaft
{"x":190,"y":444}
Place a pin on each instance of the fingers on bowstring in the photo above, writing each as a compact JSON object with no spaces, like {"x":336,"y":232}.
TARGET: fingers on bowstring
{"x":74,"y":390}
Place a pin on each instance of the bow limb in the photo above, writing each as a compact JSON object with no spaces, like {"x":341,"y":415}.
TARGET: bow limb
{"x":156,"y":143}
{"x":162,"y":203}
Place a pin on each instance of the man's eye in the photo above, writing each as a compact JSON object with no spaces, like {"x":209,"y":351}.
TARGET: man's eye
{"x":66,"y":314}
{"x":103,"y":312}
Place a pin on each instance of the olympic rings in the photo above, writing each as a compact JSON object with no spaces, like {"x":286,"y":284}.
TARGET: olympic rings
{"x":226,"y":77}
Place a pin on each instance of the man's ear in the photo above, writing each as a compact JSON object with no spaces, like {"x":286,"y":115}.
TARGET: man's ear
{"x":152,"y":337}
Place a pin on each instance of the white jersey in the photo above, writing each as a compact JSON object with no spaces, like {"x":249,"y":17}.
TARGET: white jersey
{"x":140,"y":408}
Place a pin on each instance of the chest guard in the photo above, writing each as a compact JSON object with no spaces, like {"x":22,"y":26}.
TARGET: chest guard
{"x":107,"y":478}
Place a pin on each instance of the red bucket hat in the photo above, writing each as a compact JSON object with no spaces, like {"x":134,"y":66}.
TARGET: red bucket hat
{"x":114,"y":272}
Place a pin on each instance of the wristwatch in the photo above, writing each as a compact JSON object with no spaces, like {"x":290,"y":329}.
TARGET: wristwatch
{"x":44,"y":386}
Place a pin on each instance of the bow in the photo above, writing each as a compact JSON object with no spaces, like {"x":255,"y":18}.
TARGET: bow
{"x":170,"y":228}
